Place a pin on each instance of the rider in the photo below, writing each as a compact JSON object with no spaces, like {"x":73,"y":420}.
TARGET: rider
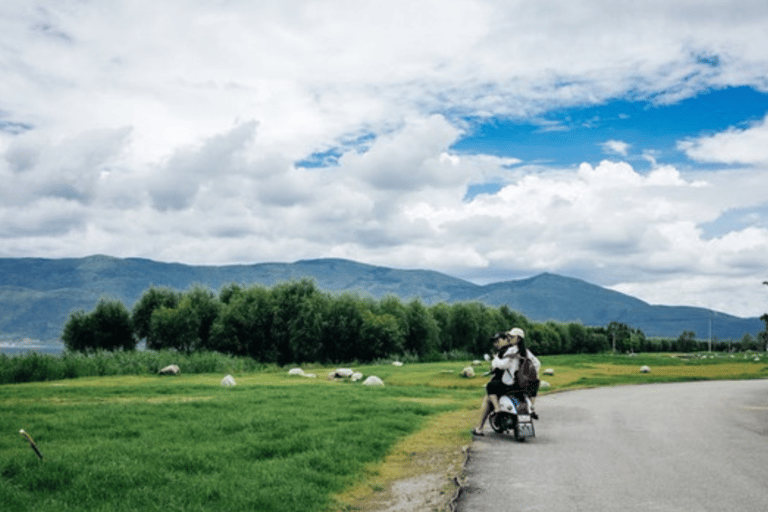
{"x":499,"y":342}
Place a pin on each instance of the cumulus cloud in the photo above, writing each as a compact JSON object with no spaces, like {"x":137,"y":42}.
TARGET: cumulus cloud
{"x":733,"y":146}
{"x":183,"y":143}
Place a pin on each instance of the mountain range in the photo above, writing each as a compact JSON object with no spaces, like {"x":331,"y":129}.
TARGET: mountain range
{"x":38,"y":295}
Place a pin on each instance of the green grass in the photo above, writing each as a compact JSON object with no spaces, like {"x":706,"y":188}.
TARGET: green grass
{"x":273,"y":442}
{"x":148,"y":443}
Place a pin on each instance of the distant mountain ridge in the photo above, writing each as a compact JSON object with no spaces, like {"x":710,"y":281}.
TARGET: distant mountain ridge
{"x":37,"y":295}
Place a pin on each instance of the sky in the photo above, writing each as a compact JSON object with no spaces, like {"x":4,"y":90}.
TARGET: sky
{"x":623,"y":143}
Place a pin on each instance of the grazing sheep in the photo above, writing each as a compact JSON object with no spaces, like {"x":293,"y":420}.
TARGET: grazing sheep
{"x":356,"y":377}
{"x":373,"y":381}
{"x":476,"y":362}
{"x":549,"y":371}
{"x":545,"y":384}
{"x":171,"y":369}
{"x":645,"y":369}
{"x":397,"y":363}
{"x":228,"y":381}
{"x":468,"y":372}
{"x":296,"y":371}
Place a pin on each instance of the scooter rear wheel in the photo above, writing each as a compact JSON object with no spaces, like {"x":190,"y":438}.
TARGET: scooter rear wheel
{"x":501,"y":422}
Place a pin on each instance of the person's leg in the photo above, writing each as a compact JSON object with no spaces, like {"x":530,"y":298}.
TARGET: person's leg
{"x":484,"y":413}
{"x":495,"y":402}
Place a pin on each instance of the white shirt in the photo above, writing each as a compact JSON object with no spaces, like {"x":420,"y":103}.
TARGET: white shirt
{"x":510,"y":362}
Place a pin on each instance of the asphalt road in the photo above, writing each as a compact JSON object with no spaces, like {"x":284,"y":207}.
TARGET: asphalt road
{"x":662,"y":447}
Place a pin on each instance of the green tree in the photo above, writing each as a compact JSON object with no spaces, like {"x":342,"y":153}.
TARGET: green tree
{"x":296,"y":328}
{"x":152,"y":299}
{"x":686,"y":342}
{"x":464,"y":328}
{"x":107,"y":327}
{"x":244,"y":325}
{"x":78,"y":334}
{"x":577,"y":335}
{"x":204,"y":307}
{"x":422,"y":334}
{"x":342,"y":327}
{"x":762,"y":336}
{"x":380,"y":336}
{"x":441,"y":312}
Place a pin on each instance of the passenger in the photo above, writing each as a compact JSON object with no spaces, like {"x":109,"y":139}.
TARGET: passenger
{"x":532,"y":388}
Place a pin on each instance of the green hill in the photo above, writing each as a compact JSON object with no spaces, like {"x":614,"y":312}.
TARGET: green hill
{"x":37,"y":295}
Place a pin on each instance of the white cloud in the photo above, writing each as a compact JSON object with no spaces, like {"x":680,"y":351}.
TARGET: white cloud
{"x":171,"y":130}
{"x":733,"y":146}
{"x":616,"y":147}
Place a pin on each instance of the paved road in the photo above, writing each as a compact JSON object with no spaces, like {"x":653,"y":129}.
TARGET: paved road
{"x":663,"y":447}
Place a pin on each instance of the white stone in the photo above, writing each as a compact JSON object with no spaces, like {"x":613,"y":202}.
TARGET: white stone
{"x":171,"y":369}
{"x":373,"y":381}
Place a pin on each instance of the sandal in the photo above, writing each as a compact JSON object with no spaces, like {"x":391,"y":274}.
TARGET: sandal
{"x":476,"y":432}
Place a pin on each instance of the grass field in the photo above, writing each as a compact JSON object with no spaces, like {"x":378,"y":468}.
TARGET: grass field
{"x":273,"y":442}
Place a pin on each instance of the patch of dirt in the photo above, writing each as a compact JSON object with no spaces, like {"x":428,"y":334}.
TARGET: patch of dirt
{"x":426,"y":492}
{"x":423,"y":492}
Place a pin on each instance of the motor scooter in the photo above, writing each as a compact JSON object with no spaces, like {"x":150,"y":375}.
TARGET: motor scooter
{"x":513,"y":417}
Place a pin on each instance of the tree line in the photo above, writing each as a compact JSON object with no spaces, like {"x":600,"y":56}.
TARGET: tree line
{"x":296,"y":322}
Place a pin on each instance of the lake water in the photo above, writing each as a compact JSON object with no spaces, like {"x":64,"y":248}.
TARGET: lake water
{"x":13,"y":350}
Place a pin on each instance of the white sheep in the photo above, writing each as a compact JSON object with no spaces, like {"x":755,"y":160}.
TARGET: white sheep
{"x":356,"y":377}
{"x":228,"y":381}
{"x":296,"y":371}
{"x":397,"y":363}
{"x":549,"y":371}
{"x":645,"y":369}
{"x":468,"y":372}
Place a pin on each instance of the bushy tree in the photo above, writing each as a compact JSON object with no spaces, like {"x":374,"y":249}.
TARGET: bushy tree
{"x":244,"y":325}
{"x":342,"y":327}
{"x":152,"y":299}
{"x":187,"y":325}
{"x":107,"y":327}
{"x":686,"y":342}
{"x":422,"y":331}
{"x":380,"y":336}
{"x":296,"y":326}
